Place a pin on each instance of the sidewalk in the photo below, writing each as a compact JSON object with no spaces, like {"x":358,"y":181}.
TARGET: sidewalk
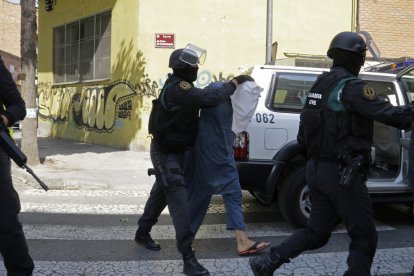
{"x":68,"y":164}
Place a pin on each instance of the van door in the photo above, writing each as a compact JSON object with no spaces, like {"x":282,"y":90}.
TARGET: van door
{"x":406,"y":81}
{"x":386,"y":151}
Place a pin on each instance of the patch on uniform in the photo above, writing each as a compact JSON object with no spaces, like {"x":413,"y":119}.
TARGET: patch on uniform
{"x":369,"y":93}
{"x":185,"y":85}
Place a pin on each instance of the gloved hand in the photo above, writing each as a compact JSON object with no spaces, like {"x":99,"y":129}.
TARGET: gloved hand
{"x":3,"y":122}
{"x":242,"y":78}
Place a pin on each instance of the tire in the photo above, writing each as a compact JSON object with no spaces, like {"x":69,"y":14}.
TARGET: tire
{"x":251,"y":193}
{"x":294,"y":198}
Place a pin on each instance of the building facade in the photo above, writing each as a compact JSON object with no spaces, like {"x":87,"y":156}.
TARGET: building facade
{"x":390,"y":24}
{"x":10,"y":36}
{"x":12,"y":62}
{"x":10,"y":27}
{"x":101,"y":63}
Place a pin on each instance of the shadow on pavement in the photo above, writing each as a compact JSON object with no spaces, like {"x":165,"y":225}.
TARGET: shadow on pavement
{"x":49,"y":146}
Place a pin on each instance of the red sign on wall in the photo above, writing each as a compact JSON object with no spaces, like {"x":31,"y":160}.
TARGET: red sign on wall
{"x":164,"y":40}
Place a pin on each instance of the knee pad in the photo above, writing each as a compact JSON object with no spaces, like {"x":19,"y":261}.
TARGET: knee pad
{"x":174,"y":176}
{"x":169,"y":175}
{"x":174,"y":181}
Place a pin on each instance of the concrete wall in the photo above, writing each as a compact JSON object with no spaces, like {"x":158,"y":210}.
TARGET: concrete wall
{"x":115,"y":112}
{"x":390,"y":23}
{"x":10,"y":27}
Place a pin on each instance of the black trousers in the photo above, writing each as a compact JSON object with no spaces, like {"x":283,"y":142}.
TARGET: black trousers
{"x":13,"y":246}
{"x":172,"y":194}
{"x":330,"y":203}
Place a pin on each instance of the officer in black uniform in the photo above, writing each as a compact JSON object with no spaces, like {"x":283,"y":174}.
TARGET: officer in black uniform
{"x":13,"y":246}
{"x":336,"y":127}
{"x":173,"y":124}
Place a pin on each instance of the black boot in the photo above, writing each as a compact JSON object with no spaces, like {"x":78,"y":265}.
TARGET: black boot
{"x":192,"y":267}
{"x":146,"y":240}
{"x":265,"y":265}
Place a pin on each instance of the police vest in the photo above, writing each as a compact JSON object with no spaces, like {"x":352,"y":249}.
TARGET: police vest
{"x":329,"y":129}
{"x":174,"y":128}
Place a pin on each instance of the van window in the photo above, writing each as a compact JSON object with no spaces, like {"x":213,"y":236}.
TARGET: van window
{"x":288,"y":91}
{"x":407,"y":82}
{"x":385,"y":91}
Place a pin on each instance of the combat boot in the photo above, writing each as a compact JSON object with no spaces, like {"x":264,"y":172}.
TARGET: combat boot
{"x":265,"y":265}
{"x":192,"y":267}
{"x":146,"y":240}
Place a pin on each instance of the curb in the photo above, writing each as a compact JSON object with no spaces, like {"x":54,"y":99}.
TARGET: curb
{"x":27,"y":178}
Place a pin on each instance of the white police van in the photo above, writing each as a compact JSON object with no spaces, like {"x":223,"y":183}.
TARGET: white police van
{"x":271,"y":163}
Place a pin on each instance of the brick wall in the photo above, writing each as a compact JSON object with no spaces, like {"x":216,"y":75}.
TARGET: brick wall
{"x":10,"y":27}
{"x":12,"y":63}
{"x":390,"y":24}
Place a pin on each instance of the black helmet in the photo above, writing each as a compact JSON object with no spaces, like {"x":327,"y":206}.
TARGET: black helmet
{"x":175,"y":61}
{"x":348,"y":41}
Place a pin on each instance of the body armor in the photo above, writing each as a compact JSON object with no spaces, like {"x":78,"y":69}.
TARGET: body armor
{"x":174,"y":128}
{"x":329,"y":129}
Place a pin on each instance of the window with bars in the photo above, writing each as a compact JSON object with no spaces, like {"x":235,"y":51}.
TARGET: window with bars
{"x":82,"y":49}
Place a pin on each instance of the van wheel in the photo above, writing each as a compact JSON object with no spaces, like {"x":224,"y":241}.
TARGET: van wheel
{"x":294,"y":198}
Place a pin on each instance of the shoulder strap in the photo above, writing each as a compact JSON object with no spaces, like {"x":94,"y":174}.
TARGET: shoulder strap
{"x":334,"y":100}
{"x":162,"y":98}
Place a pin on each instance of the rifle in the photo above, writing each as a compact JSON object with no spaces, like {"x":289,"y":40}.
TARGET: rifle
{"x":9,"y":147}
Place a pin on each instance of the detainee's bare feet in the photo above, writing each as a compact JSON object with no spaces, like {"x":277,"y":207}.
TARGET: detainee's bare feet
{"x":246,"y":246}
{"x":250,"y":247}
{"x":253,"y":249}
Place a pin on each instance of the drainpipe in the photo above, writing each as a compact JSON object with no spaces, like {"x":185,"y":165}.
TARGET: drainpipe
{"x":355,"y":16}
{"x":269,"y":22}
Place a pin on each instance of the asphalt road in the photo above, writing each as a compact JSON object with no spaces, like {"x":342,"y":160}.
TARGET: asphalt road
{"x":90,"y":232}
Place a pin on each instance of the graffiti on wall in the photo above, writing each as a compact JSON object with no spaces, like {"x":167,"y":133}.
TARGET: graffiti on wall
{"x":100,"y":108}
{"x":205,"y":77}
{"x":96,"y":108}
{"x":54,"y":103}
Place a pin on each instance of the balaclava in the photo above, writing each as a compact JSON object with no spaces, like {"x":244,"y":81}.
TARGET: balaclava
{"x":347,"y":59}
{"x":188,"y":73}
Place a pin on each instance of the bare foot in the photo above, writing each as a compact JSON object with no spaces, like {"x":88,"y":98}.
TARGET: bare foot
{"x":249,"y":247}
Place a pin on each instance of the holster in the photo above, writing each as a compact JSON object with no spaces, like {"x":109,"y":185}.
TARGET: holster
{"x":159,"y":171}
{"x":162,"y":171}
{"x":349,"y":169}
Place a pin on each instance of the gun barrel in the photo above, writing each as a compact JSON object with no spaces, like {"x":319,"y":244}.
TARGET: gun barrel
{"x":8,"y":146}
{"x":41,"y":183}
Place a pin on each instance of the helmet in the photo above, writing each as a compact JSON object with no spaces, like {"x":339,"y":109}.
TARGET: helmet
{"x":348,"y":41}
{"x":190,"y":55}
{"x":175,"y":61}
